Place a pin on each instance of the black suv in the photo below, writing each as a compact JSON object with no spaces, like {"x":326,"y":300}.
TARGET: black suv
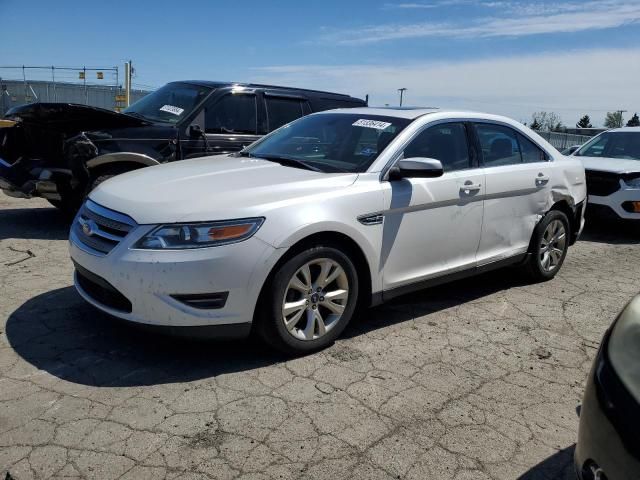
{"x":61,"y":151}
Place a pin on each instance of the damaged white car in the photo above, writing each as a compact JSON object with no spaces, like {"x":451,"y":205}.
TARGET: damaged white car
{"x":333,"y":212}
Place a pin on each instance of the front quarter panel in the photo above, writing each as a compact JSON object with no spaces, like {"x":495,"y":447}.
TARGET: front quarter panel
{"x":335,"y":211}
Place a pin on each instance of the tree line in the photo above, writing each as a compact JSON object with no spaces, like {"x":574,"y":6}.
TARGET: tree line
{"x":551,"y":121}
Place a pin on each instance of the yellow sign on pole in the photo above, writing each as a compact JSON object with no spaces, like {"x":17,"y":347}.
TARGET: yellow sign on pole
{"x":120,"y":98}
{"x":81,"y":75}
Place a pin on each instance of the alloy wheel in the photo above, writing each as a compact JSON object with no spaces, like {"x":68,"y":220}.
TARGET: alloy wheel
{"x":552,"y":245}
{"x":315,"y":299}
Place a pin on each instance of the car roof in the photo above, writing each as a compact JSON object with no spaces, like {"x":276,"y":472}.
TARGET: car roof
{"x":413,"y":113}
{"x":624,"y":129}
{"x":219,"y":84}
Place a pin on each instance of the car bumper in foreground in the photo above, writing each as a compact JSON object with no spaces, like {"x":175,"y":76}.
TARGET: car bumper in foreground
{"x":608,"y":438}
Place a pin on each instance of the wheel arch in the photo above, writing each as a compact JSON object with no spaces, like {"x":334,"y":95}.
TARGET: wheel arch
{"x":120,"y":160}
{"x":328,"y":238}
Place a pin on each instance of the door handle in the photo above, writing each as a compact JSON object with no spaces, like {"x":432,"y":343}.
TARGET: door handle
{"x":469,"y":186}
{"x":542,"y":179}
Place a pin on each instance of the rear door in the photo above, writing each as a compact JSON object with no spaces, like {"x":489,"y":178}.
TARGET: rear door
{"x":281,"y":109}
{"x":518,"y":179}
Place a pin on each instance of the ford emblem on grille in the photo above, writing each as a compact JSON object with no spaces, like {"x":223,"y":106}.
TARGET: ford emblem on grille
{"x":88,"y":227}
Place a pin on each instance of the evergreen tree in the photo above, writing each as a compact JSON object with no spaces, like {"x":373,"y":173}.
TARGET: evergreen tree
{"x":634,"y":121}
{"x":613,"y":120}
{"x":585,"y":122}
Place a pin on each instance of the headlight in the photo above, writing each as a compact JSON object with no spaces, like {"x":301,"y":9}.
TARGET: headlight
{"x":624,"y":347}
{"x":633,"y":182}
{"x":199,"y":235}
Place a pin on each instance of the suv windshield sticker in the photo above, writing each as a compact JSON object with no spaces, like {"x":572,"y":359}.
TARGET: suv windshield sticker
{"x":172,"y":109}
{"x":371,"y":124}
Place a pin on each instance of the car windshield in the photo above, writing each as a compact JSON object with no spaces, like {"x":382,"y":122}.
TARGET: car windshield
{"x":624,"y":145}
{"x":331,"y":142}
{"x":170,"y":103}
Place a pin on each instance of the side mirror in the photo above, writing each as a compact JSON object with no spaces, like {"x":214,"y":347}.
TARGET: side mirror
{"x":416,"y":168}
{"x":195,"y":131}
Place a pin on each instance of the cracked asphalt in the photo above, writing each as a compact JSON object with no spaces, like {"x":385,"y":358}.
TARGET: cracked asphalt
{"x":478,"y":379}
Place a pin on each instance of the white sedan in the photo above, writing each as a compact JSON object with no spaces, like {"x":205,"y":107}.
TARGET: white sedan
{"x":336,"y":211}
{"x":612,"y":163}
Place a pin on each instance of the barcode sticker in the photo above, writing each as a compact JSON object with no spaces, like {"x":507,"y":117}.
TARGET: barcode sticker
{"x":172,"y":109}
{"x":363,"y":122}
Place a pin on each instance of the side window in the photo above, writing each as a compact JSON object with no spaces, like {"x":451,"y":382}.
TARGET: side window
{"x":499,"y":145}
{"x":446,"y":142}
{"x":234,"y":113}
{"x":282,"y":110}
{"x":531,"y":153}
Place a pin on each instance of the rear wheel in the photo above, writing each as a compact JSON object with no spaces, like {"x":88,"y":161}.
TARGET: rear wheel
{"x":549,"y":246}
{"x":309,"y":301}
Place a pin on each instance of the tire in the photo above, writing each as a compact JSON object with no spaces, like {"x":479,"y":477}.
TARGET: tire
{"x":547,"y":256}
{"x":94,"y":182}
{"x":314,"y":320}
{"x":69,"y":204}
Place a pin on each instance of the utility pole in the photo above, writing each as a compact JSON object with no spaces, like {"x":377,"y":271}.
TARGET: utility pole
{"x":620,"y":112}
{"x":401,"y":90}
{"x":128,"y":69}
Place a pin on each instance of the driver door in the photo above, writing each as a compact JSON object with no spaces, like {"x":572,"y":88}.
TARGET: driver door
{"x":432,"y":226}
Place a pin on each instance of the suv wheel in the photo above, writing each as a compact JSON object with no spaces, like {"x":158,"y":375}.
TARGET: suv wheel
{"x":309,"y":301}
{"x":549,"y":246}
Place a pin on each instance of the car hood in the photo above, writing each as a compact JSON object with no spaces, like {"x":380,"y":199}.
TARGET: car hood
{"x":71,"y":117}
{"x":612,"y":165}
{"x":213,"y":188}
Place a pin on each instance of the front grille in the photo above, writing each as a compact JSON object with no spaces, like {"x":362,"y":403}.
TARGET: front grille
{"x":602,"y":183}
{"x":99,"y":228}
{"x":101,"y":290}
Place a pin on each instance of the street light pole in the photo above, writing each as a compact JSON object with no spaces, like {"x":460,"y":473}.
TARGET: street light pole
{"x":401,"y":90}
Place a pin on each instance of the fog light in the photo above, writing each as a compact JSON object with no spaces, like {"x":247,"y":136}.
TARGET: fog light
{"x":204,"y":301}
{"x":632,"y":207}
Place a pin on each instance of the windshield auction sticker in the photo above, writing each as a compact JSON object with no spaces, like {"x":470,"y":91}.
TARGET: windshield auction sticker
{"x":172,"y":109}
{"x":371,"y":124}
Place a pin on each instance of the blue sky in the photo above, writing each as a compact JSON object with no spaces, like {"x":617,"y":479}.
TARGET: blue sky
{"x":505,"y":56}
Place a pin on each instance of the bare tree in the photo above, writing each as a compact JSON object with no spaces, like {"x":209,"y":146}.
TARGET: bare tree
{"x":547,"y":121}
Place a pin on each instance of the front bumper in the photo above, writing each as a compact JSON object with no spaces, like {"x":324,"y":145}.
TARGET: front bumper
{"x":144,"y":284}
{"x":616,"y":200}
{"x":37,"y":182}
{"x":608,"y":437}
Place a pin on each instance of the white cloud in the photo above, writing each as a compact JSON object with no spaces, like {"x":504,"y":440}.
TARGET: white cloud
{"x":517,"y":20}
{"x":570,"y":83}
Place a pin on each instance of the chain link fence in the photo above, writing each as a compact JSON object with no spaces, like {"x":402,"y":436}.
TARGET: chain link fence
{"x":564,"y":140}
{"x":98,"y":87}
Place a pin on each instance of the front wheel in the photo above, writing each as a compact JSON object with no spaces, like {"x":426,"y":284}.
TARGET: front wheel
{"x":549,"y":246}
{"x":309,"y":301}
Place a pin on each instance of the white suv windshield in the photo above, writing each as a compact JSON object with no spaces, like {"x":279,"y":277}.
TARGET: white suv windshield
{"x":331,"y":142}
{"x":170,"y":103}
{"x":624,"y":145}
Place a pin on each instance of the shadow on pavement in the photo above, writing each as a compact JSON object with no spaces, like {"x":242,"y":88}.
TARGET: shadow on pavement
{"x":34,"y":223}
{"x":61,"y":334}
{"x":558,"y":466}
{"x":612,"y":231}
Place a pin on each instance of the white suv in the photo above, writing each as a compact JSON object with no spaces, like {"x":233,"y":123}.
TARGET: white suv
{"x":612,"y":163}
{"x":336,"y":210}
